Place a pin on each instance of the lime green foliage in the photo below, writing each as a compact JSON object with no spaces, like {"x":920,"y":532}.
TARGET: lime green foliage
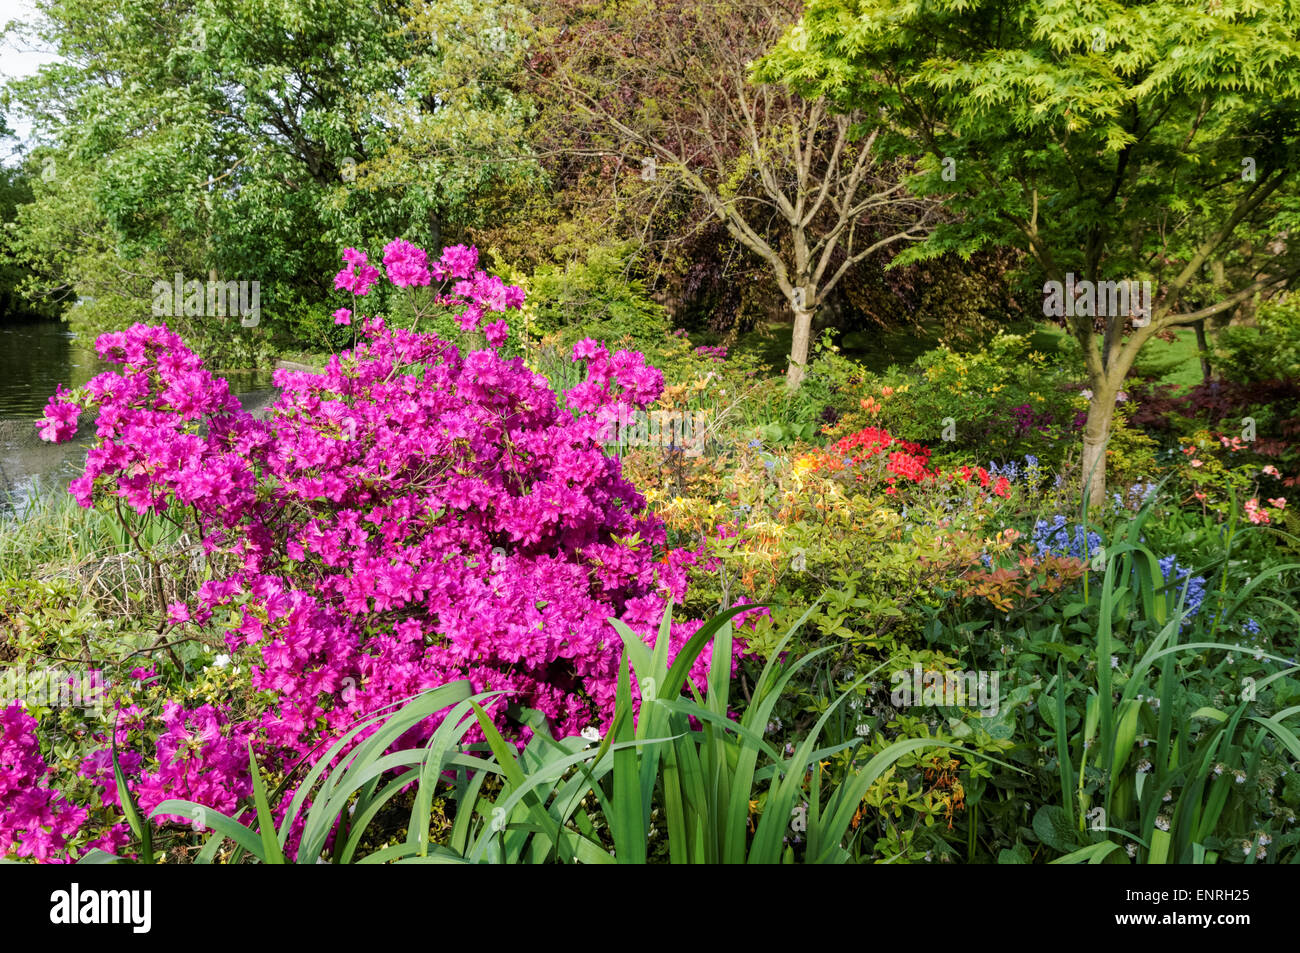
{"x":598,"y":298}
{"x":978,"y":393}
{"x":1266,"y":351}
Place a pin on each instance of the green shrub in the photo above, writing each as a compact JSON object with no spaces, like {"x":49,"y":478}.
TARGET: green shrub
{"x":1266,"y":351}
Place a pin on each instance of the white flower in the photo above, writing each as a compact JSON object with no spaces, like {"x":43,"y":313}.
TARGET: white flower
{"x":591,"y":733}
{"x":221,"y":661}
{"x":863,"y":730}
{"x":1086,"y":394}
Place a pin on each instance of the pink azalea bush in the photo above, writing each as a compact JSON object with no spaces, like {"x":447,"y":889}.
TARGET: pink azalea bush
{"x":35,"y":819}
{"x":412,"y":515}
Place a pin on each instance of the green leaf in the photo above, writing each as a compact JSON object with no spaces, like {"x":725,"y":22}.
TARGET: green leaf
{"x":1052,"y":826}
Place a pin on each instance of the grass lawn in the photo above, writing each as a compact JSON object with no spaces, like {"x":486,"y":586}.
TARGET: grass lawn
{"x":1176,"y":362}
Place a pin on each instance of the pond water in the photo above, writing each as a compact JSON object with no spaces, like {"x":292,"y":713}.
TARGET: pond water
{"x":37,"y":356}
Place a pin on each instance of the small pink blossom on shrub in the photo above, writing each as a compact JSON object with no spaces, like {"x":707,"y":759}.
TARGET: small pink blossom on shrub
{"x":358,"y":277}
{"x":406,"y":265}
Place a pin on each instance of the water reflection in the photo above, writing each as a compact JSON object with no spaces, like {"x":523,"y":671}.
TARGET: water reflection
{"x":35,"y":357}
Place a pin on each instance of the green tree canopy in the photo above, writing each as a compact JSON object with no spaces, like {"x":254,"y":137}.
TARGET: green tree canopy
{"x":1115,"y":141}
{"x":253,"y":139}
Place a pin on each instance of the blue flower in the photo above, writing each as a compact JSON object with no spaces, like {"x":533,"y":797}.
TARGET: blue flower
{"x":1010,"y":470}
{"x":1058,"y":539}
{"x":1183,"y":578}
{"x":1251,"y":626}
{"x":755,"y":444}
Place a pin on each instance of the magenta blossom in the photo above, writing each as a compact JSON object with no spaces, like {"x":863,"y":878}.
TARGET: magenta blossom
{"x":406,"y":265}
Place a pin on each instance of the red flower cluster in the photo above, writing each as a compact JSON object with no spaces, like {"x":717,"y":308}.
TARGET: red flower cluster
{"x":908,"y":460}
{"x":871,"y":440}
{"x":1002,"y":487}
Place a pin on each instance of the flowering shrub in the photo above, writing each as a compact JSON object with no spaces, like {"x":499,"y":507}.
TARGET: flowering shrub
{"x":911,"y":462}
{"x":1005,"y":399}
{"x":35,"y":820}
{"x":1217,"y":469}
{"x":412,"y":515}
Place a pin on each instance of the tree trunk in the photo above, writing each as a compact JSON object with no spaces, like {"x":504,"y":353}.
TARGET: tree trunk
{"x":1096,"y":432}
{"x":800,"y":340}
{"x":1203,"y":345}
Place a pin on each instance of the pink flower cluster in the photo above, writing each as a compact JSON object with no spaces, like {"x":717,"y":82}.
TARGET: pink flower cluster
{"x":35,"y":820}
{"x":1258,"y":514}
{"x":410,"y":516}
{"x":358,"y":277}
